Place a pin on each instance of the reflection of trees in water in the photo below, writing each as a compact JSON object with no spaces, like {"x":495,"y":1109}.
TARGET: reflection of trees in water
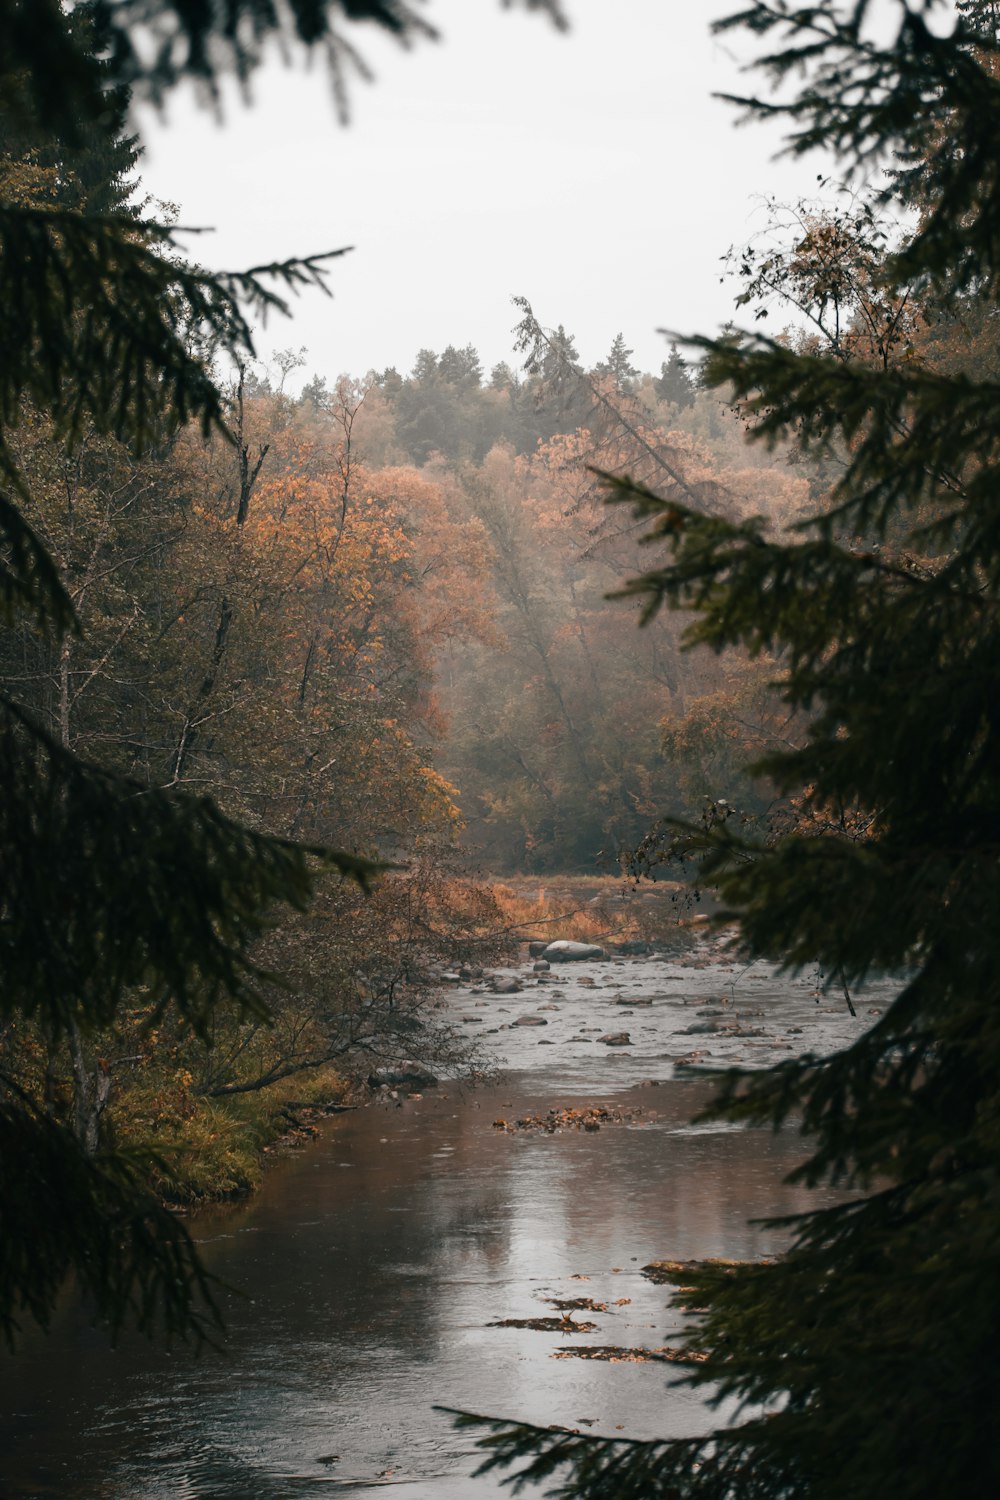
{"x":686,"y":1194}
{"x":353,"y":1257}
{"x":357,"y":1282}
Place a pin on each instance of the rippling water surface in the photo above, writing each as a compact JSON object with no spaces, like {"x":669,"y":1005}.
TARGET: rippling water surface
{"x":366,"y":1274}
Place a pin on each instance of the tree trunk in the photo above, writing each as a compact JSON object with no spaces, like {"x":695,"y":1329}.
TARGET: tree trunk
{"x":91,"y":1092}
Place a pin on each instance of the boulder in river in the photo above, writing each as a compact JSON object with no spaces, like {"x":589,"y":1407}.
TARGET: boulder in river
{"x":537,"y":947}
{"x":530,"y":1021}
{"x":564,"y":952}
{"x":405,"y":1075}
{"x":507,"y":987}
{"x":615,"y":1039}
{"x":541,"y":966}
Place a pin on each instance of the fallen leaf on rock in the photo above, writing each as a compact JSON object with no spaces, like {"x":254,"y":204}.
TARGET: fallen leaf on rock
{"x":586,"y":1118}
{"x":678,"y":1272}
{"x":614,"y":1354}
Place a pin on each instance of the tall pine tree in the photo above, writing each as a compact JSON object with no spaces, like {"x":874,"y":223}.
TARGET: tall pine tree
{"x":868,"y":1353}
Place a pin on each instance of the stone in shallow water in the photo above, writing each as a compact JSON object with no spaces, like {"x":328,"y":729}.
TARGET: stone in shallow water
{"x":615,"y":1039}
{"x":530,"y":1021}
{"x":564,"y":952}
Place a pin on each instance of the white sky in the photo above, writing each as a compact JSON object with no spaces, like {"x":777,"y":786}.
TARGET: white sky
{"x":591,"y":172}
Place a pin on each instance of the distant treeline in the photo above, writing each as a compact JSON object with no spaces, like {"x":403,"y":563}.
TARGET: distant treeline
{"x":447,"y":406}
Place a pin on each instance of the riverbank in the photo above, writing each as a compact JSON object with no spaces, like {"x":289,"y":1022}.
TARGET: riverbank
{"x":670,"y":995}
{"x":217,"y":1149}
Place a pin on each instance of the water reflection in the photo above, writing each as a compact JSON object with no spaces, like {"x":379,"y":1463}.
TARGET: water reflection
{"x":365,"y":1276}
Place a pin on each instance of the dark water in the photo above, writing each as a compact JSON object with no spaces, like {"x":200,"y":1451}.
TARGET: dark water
{"x":368,"y":1270}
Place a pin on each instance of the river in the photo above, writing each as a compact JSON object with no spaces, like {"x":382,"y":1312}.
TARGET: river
{"x":366,"y":1277}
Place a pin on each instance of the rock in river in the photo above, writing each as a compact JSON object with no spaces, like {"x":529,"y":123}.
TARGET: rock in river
{"x":615,"y":1039}
{"x":530,"y":1021}
{"x":507,"y":987}
{"x":564,"y":952}
{"x":405,"y":1075}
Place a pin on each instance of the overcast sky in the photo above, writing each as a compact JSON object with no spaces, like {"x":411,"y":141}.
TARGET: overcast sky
{"x":592,"y":172}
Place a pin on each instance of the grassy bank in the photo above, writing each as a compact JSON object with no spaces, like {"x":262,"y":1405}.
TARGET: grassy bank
{"x":215,"y":1149}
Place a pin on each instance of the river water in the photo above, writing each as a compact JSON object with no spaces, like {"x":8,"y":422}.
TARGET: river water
{"x":364,"y":1278}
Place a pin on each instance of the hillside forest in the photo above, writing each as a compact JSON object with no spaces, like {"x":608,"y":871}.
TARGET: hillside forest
{"x":547,"y":730}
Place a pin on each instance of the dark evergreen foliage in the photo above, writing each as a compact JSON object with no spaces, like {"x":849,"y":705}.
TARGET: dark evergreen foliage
{"x":674,"y":383}
{"x":112,"y":329}
{"x":109,"y":888}
{"x":110,"y":891}
{"x":66,"y":1211}
{"x":868,"y":1353}
{"x":618,"y":364}
{"x":152,"y":45}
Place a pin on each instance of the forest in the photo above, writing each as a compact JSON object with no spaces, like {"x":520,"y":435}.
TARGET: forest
{"x":306,"y":673}
{"x":374,"y":614}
